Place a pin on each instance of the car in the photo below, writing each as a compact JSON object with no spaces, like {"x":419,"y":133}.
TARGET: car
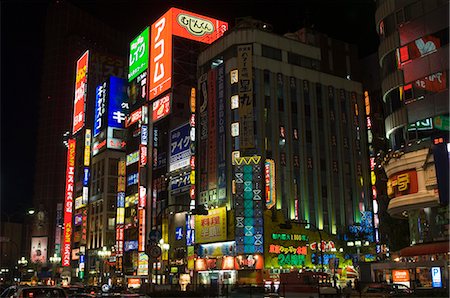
{"x":386,"y":290}
{"x":37,"y":291}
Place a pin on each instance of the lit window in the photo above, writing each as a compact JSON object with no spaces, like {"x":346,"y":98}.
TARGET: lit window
{"x":234,"y":102}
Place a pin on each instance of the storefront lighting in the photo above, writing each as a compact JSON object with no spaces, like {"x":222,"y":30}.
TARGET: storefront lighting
{"x":350,"y":243}
{"x":397,"y":259}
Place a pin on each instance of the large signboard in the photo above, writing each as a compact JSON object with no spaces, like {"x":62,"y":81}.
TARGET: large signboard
{"x":196,"y":27}
{"x":211,"y":227}
{"x":117,"y":102}
{"x":212,"y":130}
{"x":161,"y":55}
{"x":138,"y":61}
{"x":68,"y":203}
{"x":180,"y":143}
{"x":80,"y":93}
{"x":39,"y":250}
{"x":183,"y":24}
{"x":402,"y":183}
{"x":100,"y":108}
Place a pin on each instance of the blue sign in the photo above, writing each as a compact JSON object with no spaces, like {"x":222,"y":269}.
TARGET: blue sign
{"x":81,"y":259}
{"x":117,"y":102}
{"x":180,"y":143}
{"x":180,"y":183}
{"x":144,"y":135}
{"x":120,"y":199}
{"x":436,"y":279}
{"x":189,"y":230}
{"x":178,"y":233}
{"x":100,"y":108}
{"x":132,"y":179}
{"x":86,"y":177}
{"x":130,"y":245}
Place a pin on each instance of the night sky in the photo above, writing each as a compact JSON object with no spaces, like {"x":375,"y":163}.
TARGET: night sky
{"x":22,"y":34}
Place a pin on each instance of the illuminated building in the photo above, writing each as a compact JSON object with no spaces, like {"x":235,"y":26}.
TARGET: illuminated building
{"x":160,"y":153}
{"x":413,"y":56}
{"x":275,"y":131}
{"x":69,"y":32}
{"x":96,"y":143}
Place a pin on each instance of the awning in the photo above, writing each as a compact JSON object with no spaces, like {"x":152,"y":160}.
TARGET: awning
{"x":425,"y":249}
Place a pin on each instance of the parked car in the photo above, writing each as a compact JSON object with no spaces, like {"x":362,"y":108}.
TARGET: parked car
{"x":386,"y":290}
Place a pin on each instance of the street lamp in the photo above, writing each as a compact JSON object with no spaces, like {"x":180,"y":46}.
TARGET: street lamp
{"x":22,"y":263}
{"x":103,"y":254}
{"x":55,"y":261}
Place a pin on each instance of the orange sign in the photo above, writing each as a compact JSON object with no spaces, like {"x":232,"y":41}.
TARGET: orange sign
{"x":400,"y":275}
{"x":80,"y":92}
{"x":402,"y":183}
{"x":161,"y":55}
{"x":180,"y":23}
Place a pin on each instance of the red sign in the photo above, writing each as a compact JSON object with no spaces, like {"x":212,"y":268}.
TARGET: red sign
{"x":134,"y":117}
{"x":161,"y":55}
{"x":142,"y":155}
{"x":68,"y":202}
{"x":435,"y":82}
{"x":402,"y":183}
{"x":80,"y":92}
{"x":161,"y":108}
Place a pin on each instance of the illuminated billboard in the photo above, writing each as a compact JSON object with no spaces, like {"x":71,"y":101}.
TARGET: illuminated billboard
{"x":138,"y":61}
{"x":180,"y":152}
{"x":68,"y":203}
{"x":183,"y":24}
{"x":161,"y":108}
{"x":211,"y":227}
{"x":39,"y":250}
{"x":80,"y":93}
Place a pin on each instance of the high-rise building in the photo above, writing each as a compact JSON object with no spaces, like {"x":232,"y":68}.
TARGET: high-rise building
{"x":414,"y":60}
{"x":69,"y":31}
{"x":281,"y":143}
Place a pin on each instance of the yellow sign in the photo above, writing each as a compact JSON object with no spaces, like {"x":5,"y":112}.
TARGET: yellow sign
{"x":211,"y":227}
{"x":87,"y":148}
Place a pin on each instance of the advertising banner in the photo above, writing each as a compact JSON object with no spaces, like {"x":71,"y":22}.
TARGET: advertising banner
{"x":39,"y":250}
{"x":180,"y":143}
{"x":80,"y":93}
{"x":211,"y":227}
{"x":269,"y":177}
{"x":402,"y":183}
{"x":142,"y":264}
{"x":117,"y":102}
{"x":138,"y":61}
{"x":245,"y":91}
{"x":161,"y":108}
{"x":161,"y":55}
{"x":100,"y":108}
{"x":68,"y":203}
{"x":197,"y":27}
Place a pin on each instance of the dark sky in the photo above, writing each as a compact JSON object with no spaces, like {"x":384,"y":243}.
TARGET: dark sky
{"x":22,"y":32}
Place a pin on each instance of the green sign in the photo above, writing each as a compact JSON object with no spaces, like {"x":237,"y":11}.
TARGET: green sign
{"x":138,"y":61}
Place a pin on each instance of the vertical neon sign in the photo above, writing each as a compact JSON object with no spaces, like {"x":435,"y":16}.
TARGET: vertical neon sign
{"x":68,"y":202}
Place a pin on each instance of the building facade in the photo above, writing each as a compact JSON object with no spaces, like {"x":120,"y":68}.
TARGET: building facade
{"x":413,"y":56}
{"x":280,"y":143}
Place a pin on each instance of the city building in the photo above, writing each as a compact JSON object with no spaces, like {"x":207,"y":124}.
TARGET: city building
{"x":413,"y":56}
{"x":281,"y":157}
{"x":69,"y":31}
{"x":95,"y":144}
{"x":160,"y":159}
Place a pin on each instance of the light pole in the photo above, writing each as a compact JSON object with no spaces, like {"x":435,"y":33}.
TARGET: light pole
{"x":22,"y":263}
{"x":55,"y":260}
{"x":103,"y":254}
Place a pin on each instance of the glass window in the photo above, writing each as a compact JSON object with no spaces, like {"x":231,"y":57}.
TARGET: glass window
{"x":271,"y":52}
